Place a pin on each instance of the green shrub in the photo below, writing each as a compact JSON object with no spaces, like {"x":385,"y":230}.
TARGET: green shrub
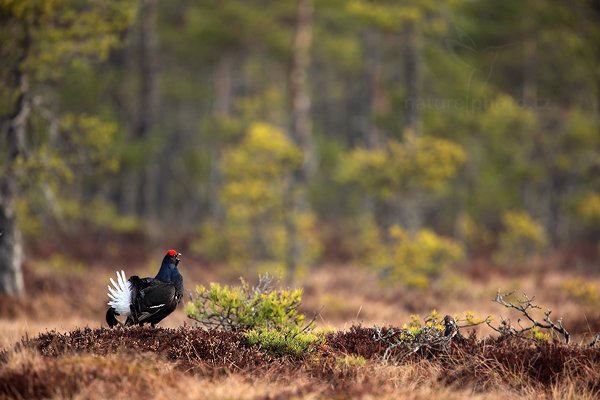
{"x":242,"y":307}
{"x":416,"y":260}
{"x":423,"y":162}
{"x":269,"y":317}
{"x":536,"y":334}
{"x":522,"y":238}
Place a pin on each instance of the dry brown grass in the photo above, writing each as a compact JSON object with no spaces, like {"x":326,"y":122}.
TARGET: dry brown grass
{"x":180,"y":363}
{"x":188,"y":362}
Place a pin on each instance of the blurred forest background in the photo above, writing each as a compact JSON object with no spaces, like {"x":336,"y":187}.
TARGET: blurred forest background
{"x":405,"y":136}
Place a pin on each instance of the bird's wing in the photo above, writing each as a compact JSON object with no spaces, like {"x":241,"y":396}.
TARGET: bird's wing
{"x":155,"y":298}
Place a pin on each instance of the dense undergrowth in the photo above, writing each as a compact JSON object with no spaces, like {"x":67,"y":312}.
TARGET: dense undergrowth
{"x":72,"y":360}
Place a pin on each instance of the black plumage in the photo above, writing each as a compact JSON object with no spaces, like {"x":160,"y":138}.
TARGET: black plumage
{"x":150,"y":299}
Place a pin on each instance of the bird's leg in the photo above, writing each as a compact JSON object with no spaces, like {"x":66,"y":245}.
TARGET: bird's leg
{"x":133,"y":315}
{"x":117,"y":319}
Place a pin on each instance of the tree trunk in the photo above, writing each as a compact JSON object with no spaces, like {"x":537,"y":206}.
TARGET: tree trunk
{"x":126,"y":60}
{"x":412,"y":78}
{"x":301,"y":133}
{"x":301,"y":124}
{"x":409,"y":208}
{"x":148,"y":101}
{"x":222,"y":109}
{"x":11,"y":248}
{"x":222,"y":103}
{"x":556,"y":194}
{"x":379,"y":104}
{"x":529,"y":71}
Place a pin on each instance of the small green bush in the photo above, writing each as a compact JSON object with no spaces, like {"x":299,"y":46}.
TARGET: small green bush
{"x":242,"y":307}
{"x":269,"y":317}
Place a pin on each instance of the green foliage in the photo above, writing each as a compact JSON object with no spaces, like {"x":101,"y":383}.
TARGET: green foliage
{"x":521,"y":238}
{"x":64,"y":33}
{"x":60,"y":264}
{"x":81,"y":144}
{"x":385,"y":16}
{"x":256,"y":170}
{"x":41,"y":44}
{"x":588,"y":210}
{"x":536,"y":334}
{"x":351,"y":360}
{"x":99,"y":215}
{"x":416,"y":260}
{"x":242,"y":307}
{"x":391,"y":16}
{"x":500,"y":132}
{"x":505,"y":117}
{"x":283,"y":342}
{"x":470,"y":318}
{"x":584,"y":292}
{"x":270,"y":318}
{"x":83,"y":148}
{"x":255,"y":196}
{"x":94,"y":140}
{"x":474,"y":235}
{"x":416,"y":162}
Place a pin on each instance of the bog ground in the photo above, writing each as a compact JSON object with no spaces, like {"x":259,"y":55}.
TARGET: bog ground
{"x":55,"y":343}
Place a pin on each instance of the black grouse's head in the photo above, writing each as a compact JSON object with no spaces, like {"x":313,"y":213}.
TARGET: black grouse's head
{"x":168,"y":269}
{"x":172,"y":257}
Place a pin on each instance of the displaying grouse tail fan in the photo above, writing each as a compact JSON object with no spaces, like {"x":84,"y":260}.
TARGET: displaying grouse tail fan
{"x":146,"y":300}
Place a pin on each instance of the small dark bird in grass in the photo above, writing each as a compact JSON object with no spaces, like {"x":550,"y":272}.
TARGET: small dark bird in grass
{"x":146,"y":300}
{"x":452,"y":331}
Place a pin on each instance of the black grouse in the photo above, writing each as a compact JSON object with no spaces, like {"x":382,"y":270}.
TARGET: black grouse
{"x":146,"y":300}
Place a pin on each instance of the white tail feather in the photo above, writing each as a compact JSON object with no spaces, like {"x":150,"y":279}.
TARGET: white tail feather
{"x":120,"y":294}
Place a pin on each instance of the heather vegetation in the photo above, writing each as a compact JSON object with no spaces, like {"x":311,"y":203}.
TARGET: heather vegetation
{"x":258,"y":340}
{"x":333,"y":172}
